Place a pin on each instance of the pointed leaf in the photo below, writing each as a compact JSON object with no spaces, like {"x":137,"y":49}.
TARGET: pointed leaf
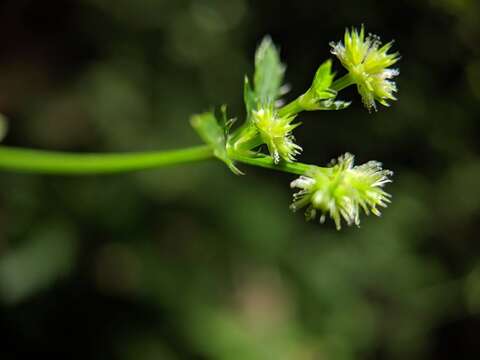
{"x":209,"y":129}
{"x":323,"y":80}
{"x":269,"y":72}
{"x":248,"y":98}
{"x":226,"y":123}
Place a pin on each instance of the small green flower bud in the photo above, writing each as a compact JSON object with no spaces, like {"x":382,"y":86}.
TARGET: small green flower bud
{"x":341,"y":190}
{"x":320,"y":96}
{"x":276,"y":133}
{"x":368,"y":65}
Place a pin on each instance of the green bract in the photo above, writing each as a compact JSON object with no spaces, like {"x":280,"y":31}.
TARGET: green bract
{"x":215,"y":134}
{"x":269,"y":72}
{"x":368,"y":65}
{"x":321,"y":96}
{"x":342,"y":190}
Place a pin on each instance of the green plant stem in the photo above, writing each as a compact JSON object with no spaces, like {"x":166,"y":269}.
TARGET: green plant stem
{"x":64,"y":163}
{"x":342,"y":83}
{"x":295,"y":106}
{"x":53,"y":162}
{"x":267,"y":162}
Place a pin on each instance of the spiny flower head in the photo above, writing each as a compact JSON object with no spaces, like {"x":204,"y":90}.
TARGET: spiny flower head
{"x":368,"y":65}
{"x":342,"y":190}
{"x":276,"y":133}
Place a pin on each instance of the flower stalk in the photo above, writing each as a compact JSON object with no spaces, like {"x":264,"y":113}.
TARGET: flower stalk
{"x":265,"y":138}
{"x":64,"y":163}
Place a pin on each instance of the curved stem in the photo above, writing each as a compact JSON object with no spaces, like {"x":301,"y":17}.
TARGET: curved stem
{"x":53,"y":162}
{"x":342,"y":83}
{"x":64,"y":163}
{"x":292,"y":107}
{"x":267,"y":162}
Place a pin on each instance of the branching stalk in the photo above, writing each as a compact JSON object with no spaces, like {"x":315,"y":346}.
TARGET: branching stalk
{"x":341,"y":190}
{"x":64,"y":163}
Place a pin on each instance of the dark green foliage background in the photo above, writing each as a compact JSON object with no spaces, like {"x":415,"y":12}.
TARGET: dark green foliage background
{"x":196,"y":263}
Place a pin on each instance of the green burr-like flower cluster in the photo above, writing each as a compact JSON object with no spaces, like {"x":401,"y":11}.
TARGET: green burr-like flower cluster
{"x":368,"y":64}
{"x":266,"y":139}
{"x":276,"y":133}
{"x":342,"y":190}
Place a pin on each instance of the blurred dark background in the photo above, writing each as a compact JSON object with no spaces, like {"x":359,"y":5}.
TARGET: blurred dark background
{"x":195,"y":263}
